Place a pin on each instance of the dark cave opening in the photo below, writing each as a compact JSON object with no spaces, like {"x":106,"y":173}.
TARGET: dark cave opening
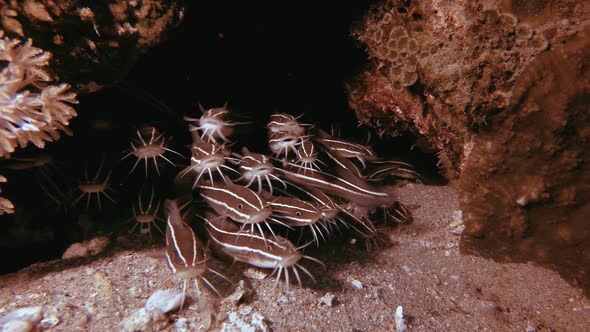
{"x":260,"y":58}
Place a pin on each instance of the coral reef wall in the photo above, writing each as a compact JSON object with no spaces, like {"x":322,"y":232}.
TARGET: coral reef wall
{"x":500,"y":90}
{"x":92,"y":42}
{"x":441,"y":69}
{"x":526,"y":185}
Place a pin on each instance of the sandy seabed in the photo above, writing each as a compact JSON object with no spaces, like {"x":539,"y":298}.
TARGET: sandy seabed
{"x":423,"y":271}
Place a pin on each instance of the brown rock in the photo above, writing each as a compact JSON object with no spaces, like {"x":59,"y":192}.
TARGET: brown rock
{"x":525,"y":188}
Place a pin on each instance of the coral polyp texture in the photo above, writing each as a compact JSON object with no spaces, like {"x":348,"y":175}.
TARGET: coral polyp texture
{"x":488,"y":76}
{"x":392,"y":44}
{"x":31,"y":110}
{"x":441,"y":70}
{"x":6,"y":206}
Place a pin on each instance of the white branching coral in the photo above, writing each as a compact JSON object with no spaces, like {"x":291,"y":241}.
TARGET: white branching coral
{"x":6,"y":206}
{"x":31,"y":110}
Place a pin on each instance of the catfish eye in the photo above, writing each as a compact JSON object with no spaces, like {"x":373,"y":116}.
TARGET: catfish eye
{"x":298,"y":213}
{"x":240,"y":206}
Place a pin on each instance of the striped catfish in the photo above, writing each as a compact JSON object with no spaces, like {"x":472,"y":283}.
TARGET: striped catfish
{"x":347,"y":213}
{"x":261,"y":251}
{"x":213,"y":124}
{"x":345,"y":148}
{"x":185,"y":253}
{"x":326,"y":205}
{"x":151,"y":145}
{"x":344,"y":163}
{"x":383,"y":169}
{"x":363,"y":226}
{"x":351,"y":189}
{"x":286,"y":123}
{"x":307,"y":156}
{"x":239,"y":203}
{"x":206,"y":157}
{"x":296,"y":212}
{"x":257,"y":167}
{"x":282,"y":143}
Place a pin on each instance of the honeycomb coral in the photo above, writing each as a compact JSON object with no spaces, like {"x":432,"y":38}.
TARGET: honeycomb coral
{"x":466,"y":56}
{"x":391,"y":43}
{"x":539,"y":42}
{"x":524,"y":31}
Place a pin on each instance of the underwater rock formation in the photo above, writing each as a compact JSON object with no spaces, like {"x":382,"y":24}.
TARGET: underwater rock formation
{"x":92,"y":43}
{"x":525,"y":188}
{"x":502,"y":95}
{"x":468,"y":56}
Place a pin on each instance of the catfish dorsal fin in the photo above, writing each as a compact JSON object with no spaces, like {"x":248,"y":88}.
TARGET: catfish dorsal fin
{"x":196,"y":137}
{"x":267,"y":195}
{"x":172,"y":211}
{"x":203,"y":110}
{"x":220,"y":222}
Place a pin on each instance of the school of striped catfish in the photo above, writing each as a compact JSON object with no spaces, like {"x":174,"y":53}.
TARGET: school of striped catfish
{"x":312,"y":184}
{"x":263,"y":209}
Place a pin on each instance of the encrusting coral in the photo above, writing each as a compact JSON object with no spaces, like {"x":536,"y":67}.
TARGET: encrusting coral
{"x":500,"y":94}
{"x":31,"y":109}
{"x":441,"y":70}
